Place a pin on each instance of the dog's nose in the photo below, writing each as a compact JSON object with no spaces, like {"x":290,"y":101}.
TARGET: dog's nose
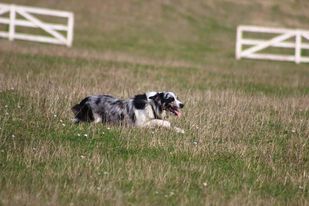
{"x":181,"y":105}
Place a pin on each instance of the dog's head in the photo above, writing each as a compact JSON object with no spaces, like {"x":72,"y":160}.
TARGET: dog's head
{"x":168,"y":101}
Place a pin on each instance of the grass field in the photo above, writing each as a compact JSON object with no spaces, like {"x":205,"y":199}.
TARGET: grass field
{"x":246,"y":122}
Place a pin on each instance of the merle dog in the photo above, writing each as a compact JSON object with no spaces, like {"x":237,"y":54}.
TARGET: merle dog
{"x":143,"y":110}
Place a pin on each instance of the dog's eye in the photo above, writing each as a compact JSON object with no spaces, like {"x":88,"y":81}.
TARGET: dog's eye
{"x":171,"y":99}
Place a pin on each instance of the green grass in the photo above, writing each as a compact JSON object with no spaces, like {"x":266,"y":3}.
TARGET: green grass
{"x":246,"y":122}
{"x":104,"y":151}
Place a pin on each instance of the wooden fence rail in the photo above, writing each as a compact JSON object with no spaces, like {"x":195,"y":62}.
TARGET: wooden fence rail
{"x":296,"y":40}
{"x":24,"y":16}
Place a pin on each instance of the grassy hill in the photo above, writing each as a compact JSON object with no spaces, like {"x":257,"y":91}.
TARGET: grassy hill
{"x":246,"y":122}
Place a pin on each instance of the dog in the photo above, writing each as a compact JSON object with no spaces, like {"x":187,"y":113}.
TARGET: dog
{"x":143,"y":110}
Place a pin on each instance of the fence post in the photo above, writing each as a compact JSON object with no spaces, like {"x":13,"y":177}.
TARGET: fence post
{"x":70,"y":30}
{"x":238,"y":42}
{"x":12,"y":22}
{"x":298,"y":37}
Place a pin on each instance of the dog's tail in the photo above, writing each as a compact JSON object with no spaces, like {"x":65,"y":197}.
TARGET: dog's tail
{"x":82,"y":111}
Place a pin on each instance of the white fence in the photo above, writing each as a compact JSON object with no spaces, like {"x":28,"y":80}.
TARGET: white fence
{"x":295,"y":40}
{"x":56,"y":33}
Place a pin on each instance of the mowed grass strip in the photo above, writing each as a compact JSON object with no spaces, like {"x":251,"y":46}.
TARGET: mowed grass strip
{"x":274,"y":82}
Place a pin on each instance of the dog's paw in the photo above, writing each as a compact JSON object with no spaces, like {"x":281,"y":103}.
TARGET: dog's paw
{"x":179,"y":130}
{"x":75,"y":120}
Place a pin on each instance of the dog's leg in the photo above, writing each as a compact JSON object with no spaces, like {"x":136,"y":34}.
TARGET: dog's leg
{"x":163,"y":123}
{"x":97,"y":118}
{"x":158,"y":123}
{"x":75,"y":120}
{"x":179,"y":130}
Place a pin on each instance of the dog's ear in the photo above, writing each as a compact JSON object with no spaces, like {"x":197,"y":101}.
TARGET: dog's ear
{"x":154,"y":96}
{"x":158,"y":97}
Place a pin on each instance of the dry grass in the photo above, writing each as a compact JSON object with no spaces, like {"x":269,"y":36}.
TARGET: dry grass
{"x":250,"y":146}
{"x":246,"y":122}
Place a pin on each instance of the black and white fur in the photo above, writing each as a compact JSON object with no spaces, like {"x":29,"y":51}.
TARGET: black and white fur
{"x":143,"y":110}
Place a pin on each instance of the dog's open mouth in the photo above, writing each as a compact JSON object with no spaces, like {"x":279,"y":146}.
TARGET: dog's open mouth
{"x":175,"y":111}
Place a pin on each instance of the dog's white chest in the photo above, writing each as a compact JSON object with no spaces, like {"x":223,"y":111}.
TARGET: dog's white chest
{"x":143,"y":115}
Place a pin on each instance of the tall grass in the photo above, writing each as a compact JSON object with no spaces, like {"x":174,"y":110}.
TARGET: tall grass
{"x":246,"y":122}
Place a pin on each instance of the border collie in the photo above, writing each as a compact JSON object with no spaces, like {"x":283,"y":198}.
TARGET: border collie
{"x":143,"y":110}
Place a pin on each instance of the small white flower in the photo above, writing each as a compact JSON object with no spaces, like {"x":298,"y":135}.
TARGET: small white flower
{"x":108,"y":128}
{"x":205,"y":184}
{"x":6,"y":113}
{"x":172,"y":193}
{"x":85,"y":135}
{"x":55,"y":115}
{"x":63,"y":124}
{"x":82,"y":156}
{"x":61,"y":120}
{"x":98,"y":188}
{"x":293,"y":130}
{"x":105,"y":173}
{"x":103,"y":132}
{"x":156,"y":192}
{"x":195,"y":126}
{"x":78,"y":134}
{"x":195,"y":142}
{"x":18,"y":106}
{"x":6,"y":106}
{"x":13,"y":135}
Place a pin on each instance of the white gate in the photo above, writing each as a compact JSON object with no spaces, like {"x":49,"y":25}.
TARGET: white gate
{"x":295,"y":40}
{"x":56,"y":33}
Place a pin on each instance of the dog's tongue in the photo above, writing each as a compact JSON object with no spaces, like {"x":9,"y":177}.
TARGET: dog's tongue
{"x":178,"y":113}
